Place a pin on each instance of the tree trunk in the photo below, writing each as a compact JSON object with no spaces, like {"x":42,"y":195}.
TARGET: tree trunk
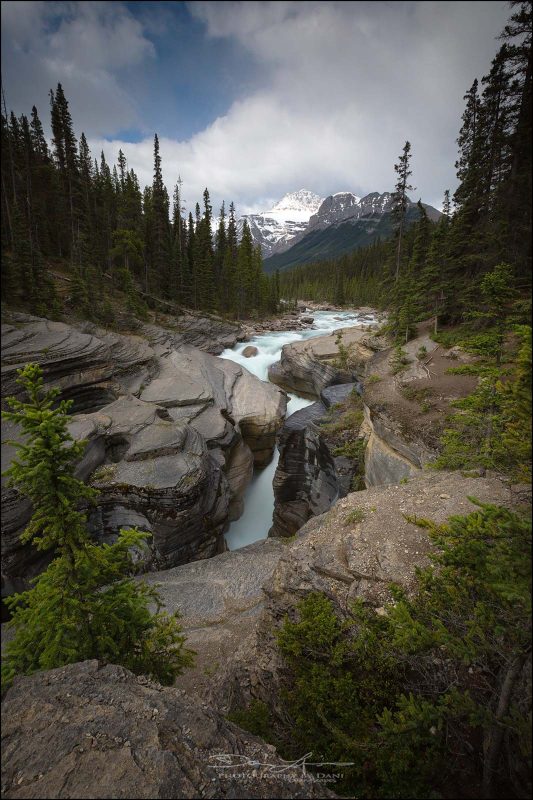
{"x":492,"y":742}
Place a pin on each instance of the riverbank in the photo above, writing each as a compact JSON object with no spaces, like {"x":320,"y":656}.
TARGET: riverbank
{"x":303,"y":318}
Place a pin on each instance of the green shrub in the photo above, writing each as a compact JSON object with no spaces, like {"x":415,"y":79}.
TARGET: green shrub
{"x":256,"y":719}
{"x":355,"y":516}
{"x":84,"y":605}
{"x":399,"y":360}
{"x":413,"y":696}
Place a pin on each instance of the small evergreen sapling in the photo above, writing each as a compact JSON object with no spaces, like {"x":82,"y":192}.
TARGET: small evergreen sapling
{"x":85,"y":604}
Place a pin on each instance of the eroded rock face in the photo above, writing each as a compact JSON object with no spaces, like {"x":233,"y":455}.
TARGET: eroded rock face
{"x":348,"y":555}
{"x":304,"y":481}
{"x":167,"y":476}
{"x":309,"y":366}
{"x":92,"y":367}
{"x":172,"y":434}
{"x":88,"y":730}
{"x":406,"y":410}
{"x":309,"y":477}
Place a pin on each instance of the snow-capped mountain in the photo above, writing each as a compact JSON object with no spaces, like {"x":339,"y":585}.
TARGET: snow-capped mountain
{"x":343,"y":222}
{"x":274,"y":229}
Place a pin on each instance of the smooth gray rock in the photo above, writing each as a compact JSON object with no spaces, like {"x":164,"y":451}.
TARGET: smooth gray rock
{"x":308,"y":366}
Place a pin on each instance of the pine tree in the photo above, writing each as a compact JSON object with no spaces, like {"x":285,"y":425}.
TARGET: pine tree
{"x":180,"y":272}
{"x":161,"y":240}
{"x":516,"y":190}
{"x":84,"y":605}
{"x":66,"y":155}
{"x":244,"y":271}
{"x":191,"y":260}
{"x":219,"y":254}
{"x":45,"y":200}
{"x":122,"y":166}
{"x":21,"y":261}
{"x":204,"y":258}
{"x":435,"y":283}
{"x":229,"y":266}
{"x":467,"y":139}
{"x":400,"y":200}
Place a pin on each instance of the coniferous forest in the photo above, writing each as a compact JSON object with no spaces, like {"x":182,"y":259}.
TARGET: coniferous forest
{"x":64,"y":211}
{"x":437,"y":268}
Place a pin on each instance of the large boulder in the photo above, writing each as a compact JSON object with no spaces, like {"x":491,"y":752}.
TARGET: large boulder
{"x":308,"y":366}
{"x":219,"y":600}
{"x":93,"y":731}
{"x":258,"y":408}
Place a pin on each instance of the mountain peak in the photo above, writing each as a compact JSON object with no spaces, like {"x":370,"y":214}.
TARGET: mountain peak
{"x":302,"y":201}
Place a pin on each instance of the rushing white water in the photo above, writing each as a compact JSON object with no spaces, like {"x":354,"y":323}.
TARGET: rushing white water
{"x":259,"y":497}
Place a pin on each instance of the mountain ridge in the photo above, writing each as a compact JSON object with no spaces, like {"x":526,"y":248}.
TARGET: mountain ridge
{"x":343,"y":222}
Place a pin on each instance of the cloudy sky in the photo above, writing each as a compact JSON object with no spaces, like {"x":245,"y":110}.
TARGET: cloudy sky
{"x":254,"y":99}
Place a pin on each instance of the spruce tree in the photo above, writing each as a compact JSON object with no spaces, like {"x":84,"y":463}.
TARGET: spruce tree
{"x":245,"y":271}
{"x":204,"y":258}
{"x":401,"y":201}
{"x":219,"y":254}
{"x":229,"y":265}
{"x":516,"y":190}
{"x":84,"y":605}
{"x":161,"y":241}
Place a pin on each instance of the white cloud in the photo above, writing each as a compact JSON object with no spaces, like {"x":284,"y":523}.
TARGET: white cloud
{"x":343,"y":85}
{"x":346,"y":85}
{"x":81,"y":45}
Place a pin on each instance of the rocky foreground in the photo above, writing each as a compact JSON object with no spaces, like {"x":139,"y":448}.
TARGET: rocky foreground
{"x":97,"y":731}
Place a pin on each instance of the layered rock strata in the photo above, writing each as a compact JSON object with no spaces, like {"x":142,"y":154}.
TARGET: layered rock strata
{"x":308,"y":366}
{"x":172,"y":433}
{"x":309,"y":476}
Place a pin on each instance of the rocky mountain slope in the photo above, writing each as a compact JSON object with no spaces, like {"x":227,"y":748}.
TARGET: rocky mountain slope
{"x":275,"y":229}
{"x":303,"y":227}
{"x":344,"y":222}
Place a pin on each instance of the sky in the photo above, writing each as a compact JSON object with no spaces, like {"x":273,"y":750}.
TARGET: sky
{"x":256,"y":99}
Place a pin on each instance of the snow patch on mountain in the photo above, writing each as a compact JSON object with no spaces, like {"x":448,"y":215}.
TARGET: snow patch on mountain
{"x":275,"y":228}
{"x":302,"y":212}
